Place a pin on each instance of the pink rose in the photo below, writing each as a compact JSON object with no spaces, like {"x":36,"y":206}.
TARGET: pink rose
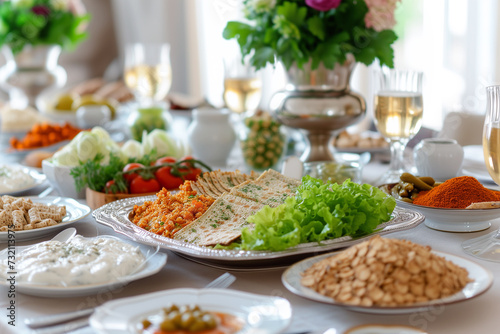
{"x":380,"y":14}
{"x":76,"y":7}
{"x":40,"y":10}
{"x":323,"y":5}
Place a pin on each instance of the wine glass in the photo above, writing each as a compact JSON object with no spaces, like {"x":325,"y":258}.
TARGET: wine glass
{"x":487,"y":247}
{"x":148,"y":72}
{"x":242,"y":86}
{"x":398,"y":114}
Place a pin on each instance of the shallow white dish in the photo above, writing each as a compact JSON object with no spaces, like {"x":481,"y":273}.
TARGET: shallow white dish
{"x":454,"y":220}
{"x":116,"y":216}
{"x":155,"y":262}
{"x":74,"y":212}
{"x":359,"y":150}
{"x":384,"y":329}
{"x":37,"y":177}
{"x":19,"y":155}
{"x":482,"y":281}
{"x":262,"y":314}
{"x":45,"y":103}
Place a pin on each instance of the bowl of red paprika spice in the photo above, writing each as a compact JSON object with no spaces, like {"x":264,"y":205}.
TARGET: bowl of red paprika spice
{"x":446,"y":205}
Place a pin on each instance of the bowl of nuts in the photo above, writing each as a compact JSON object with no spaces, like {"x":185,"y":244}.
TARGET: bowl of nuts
{"x":387,"y":276}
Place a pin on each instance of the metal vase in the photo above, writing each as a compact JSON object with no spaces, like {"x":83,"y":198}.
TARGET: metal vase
{"x":320,"y":103}
{"x":31,"y":71}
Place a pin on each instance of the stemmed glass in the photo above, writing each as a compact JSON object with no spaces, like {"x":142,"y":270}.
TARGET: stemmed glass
{"x":148,"y":71}
{"x":487,"y":247}
{"x":242,"y":86}
{"x":398,"y":114}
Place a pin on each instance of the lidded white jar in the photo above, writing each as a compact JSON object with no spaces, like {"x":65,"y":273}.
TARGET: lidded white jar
{"x":439,"y":158}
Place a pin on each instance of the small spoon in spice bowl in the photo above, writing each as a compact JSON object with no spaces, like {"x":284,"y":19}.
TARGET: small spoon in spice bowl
{"x":484,"y":205}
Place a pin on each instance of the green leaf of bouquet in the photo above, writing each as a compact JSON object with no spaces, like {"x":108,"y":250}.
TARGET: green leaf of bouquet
{"x":262,"y":56}
{"x":3,"y":28}
{"x":316,"y":27}
{"x":291,"y":12}
{"x":57,"y":32}
{"x":330,"y":51}
{"x":269,"y":36}
{"x":382,"y":43}
{"x":353,"y":13}
{"x":237,"y":30}
{"x":365,"y":55}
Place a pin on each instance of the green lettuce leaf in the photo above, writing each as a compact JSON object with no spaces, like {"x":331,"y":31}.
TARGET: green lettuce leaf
{"x":318,"y":212}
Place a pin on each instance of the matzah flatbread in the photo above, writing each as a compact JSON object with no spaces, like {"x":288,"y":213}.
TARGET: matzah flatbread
{"x":221,"y":223}
{"x":238,"y":197}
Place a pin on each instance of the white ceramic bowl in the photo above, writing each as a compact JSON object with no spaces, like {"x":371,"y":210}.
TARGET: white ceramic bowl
{"x":454,"y":220}
{"x":60,"y":178}
{"x":45,"y":104}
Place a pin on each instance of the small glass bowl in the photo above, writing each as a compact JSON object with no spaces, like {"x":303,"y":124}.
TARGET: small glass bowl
{"x":346,"y":166}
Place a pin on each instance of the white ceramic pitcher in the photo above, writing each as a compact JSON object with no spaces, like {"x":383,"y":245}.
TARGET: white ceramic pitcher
{"x":211,"y":136}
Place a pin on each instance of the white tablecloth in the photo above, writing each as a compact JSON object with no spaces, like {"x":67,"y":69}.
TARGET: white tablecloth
{"x":478,"y":315}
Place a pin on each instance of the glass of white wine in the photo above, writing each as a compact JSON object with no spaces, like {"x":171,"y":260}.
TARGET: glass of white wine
{"x":398,"y":114}
{"x":242,"y":86}
{"x":148,"y":72}
{"x":487,"y":247}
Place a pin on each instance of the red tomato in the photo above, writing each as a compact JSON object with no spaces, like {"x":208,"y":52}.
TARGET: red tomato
{"x":192,"y":174}
{"x":166,"y":179}
{"x":112,"y":188}
{"x":140,"y":186}
{"x":165,"y":160}
{"x":130,"y":176}
{"x":187,"y":157}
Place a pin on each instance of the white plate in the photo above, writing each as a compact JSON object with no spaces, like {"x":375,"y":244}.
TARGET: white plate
{"x":115,"y":215}
{"x":482,"y":281}
{"x":37,"y":177}
{"x":74,"y":212}
{"x":262,"y":314}
{"x":155,"y":262}
{"x":454,"y":220}
{"x":23,"y":153}
{"x":384,"y":329}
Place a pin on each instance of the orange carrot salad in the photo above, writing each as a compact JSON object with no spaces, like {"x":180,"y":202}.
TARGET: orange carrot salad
{"x":45,"y":134}
{"x":171,"y":212}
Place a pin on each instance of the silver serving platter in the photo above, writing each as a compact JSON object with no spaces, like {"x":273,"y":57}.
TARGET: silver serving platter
{"x":116,"y":215}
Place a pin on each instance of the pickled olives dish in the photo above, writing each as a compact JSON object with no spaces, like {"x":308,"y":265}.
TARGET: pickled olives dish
{"x":409,"y":186}
{"x":190,"y":319}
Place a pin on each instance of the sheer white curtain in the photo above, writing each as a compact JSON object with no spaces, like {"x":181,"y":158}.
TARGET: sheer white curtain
{"x":456,"y":44}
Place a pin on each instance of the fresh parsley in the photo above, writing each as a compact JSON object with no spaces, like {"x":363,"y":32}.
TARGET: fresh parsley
{"x":94,"y":174}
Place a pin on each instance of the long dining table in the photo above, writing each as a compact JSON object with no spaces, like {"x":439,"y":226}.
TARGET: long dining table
{"x":477,"y":315}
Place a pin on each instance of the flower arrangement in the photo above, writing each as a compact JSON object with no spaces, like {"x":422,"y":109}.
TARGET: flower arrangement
{"x":320,"y":31}
{"x":42,"y":22}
